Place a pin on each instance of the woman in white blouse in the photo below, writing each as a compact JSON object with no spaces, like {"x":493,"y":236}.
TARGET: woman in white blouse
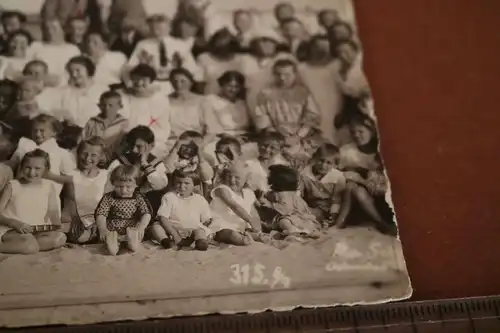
{"x":12,"y":65}
{"x":77,"y":102}
{"x":109,"y":64}
{"x":188,"y":109}
{"x":54,"y":50}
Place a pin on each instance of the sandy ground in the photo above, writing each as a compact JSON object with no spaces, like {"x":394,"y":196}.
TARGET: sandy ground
{"x":361,"y":260}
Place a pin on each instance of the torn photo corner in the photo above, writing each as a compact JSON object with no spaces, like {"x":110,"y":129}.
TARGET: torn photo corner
{"x":189,"y":157}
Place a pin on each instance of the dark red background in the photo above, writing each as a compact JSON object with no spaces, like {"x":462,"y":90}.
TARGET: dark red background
{"x":434,"y":67}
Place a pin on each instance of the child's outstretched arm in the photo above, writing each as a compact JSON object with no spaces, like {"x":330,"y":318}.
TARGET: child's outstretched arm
{"x":156,"y":176}
{"x":225,"y":195}
{"x":144,"y":208}
{"x":19,"y":226}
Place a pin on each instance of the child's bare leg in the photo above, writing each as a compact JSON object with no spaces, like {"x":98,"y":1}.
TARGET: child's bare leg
{"x":287,"y":226}
{"x":367,"y":204}
{"x":232,"y":237}
{"x":159,"y":234}
{"x":13,"y":242}
{"x":200,"y":240}
{"x":133,"y":240}
{"x":112,"y":243}
{"x":345,"y":206}
{"x":50,"y":240}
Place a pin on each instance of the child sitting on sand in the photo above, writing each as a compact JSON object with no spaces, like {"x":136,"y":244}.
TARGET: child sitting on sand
{"x":183,"y":215}
{"x":29,"y":209}
{"x":44,"y":129}
{"x":292,"y":215}
{"x":123,"y":214}
{"x":187,"y":156}
{"x":322,"y":183}
{"x":234,"y":218}
{"x":138,"y":145}
{"x":86,"y":186}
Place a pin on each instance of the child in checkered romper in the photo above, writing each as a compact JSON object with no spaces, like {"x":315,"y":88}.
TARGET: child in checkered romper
{"x":123,"y":214}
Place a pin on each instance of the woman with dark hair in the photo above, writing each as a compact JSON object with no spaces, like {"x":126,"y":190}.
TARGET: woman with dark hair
{"x":221,"y":55}
{"x":231,"y":112}
{"x":366,"y":182}
{"x":11,"y":21}
{"x":188,"y":110}
{"x":145,"y":104}
{"x":109,"y":64}
{"x":319,"y":74}
{"x":77,"y":102}
{"x":54,"y":50}
{"x":16,"y":56}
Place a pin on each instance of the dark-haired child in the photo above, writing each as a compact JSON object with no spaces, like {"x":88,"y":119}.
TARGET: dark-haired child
{"x":187,"y":156}
{"x":270,"y":146}
{"x":228,"y":150}
{"x":145,"y":105}
{"x":292,"y":215}
{"x":123,"y":214}
{"x":138,"y":144}
{"x":322,"y":183}
{"x":110,"y":125}
{"x":29,"y":209}
{"x":183,"y":216}
{"x":86,"y":186}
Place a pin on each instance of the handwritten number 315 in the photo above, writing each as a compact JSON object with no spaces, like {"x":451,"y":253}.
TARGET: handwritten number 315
{"x":246,"y":274}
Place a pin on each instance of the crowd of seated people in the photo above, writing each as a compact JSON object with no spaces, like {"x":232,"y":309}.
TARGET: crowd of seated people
{"x":156,"y":129}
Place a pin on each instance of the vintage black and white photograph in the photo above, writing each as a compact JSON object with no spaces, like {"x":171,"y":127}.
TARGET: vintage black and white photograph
{"x":187,"y":157}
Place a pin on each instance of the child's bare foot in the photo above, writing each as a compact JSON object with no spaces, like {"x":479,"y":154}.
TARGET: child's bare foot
{"x":247,"y":238}
{"x":133,"y":241}
{"x":201,"y":244}
{"x":112,"y":243}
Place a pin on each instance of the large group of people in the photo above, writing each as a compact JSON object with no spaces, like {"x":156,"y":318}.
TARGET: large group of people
{"x":120,"y":128}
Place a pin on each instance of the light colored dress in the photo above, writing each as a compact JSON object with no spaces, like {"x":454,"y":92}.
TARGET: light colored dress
{"x":42,"y":201}
{"x":186,"y":214}
{"x":223,"y":217}
{"x":109,"y":68}
{"x":212,"y":68}
{"x":323,"y":84}
{"x":233,"y":118}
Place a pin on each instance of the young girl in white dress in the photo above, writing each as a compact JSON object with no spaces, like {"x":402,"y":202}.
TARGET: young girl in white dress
{"x":43,"y":136}
{"x":29,"y":209}
{"x":234,"y":217}
{"x":86,"y":186}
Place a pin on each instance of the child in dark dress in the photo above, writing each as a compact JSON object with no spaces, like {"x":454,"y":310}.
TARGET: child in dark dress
{"x":124,"y":214}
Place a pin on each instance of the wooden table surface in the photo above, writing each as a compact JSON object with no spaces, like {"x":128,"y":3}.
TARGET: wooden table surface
{"x":435,"y":73}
